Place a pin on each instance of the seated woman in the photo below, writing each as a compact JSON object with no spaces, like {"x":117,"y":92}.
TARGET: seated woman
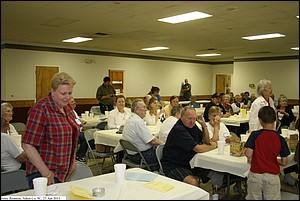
{"x":7,"y":113}
{"x":154,"y":92}
{"x":284,"y":112}
{"x":238,"y":104}
{"x":118,"y":116}
{"x":152,"y":114}
{"x":217,"y":130}
{"x":12,"y":156}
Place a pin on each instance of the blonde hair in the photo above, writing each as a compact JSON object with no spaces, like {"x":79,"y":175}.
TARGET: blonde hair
{"x":62,"y":78}
{"x":214,"y":109}
{"x":4,"y":106}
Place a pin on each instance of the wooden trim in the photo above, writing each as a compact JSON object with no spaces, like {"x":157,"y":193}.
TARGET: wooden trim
{"x":20,"y":103}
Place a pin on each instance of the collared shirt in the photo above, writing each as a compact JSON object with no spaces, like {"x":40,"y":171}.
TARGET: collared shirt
{"x":165,"y":128}
{"x":54,"y":135}
{"x":116,"y":119}
{"x":136,"y":131}
{"x":223,"y":132}
{"x":255,"y":107}
{"x":103,"y":91}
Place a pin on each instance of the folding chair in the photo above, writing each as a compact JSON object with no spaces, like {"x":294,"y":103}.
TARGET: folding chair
{"x":13,"y":181}
{"x":89,"y":135}
{"x":20,"y":127}
{"x":128,"y":146}
{"x":82,"y":171}
{"x":159,"y":155}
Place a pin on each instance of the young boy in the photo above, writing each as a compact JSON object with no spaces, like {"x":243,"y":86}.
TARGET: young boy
{"x":262,"y":148}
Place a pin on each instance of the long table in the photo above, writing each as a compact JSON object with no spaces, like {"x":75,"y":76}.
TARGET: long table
{"x":235,"y":120}
{"x":131,"y":190}
{"x":227,"y":163}
{"x":92,"y":122}
{"x":111,"y":138}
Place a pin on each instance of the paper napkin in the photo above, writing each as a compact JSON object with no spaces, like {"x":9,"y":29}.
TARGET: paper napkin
{"x":159,"y":186}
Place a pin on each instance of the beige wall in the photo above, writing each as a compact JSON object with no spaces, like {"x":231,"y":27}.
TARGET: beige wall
{"x":18,"y":77}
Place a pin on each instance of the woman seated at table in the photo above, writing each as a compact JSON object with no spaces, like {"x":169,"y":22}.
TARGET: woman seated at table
{"x":225,"y":105}
{"x":152,"y":114}
{"x":284,"y":112}
{"x":238,"y":104}
{"x":118,"y":116}
{"x":217,"y":130}
{"x":7,"y":113}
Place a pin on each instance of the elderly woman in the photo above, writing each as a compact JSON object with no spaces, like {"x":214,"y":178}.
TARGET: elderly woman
{"x":7,"y":114}
{"x":264,"y":92}
{"x":284,"y":112}
{"x":51,"y":135}
{"x":118,"y":116}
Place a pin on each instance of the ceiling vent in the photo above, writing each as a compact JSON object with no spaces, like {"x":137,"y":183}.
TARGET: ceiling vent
{"x":100,"y":35}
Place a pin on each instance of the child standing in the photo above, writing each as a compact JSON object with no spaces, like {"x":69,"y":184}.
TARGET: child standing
{"x":262,"y":148}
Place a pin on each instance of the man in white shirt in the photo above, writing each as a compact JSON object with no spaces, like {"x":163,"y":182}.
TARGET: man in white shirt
{"x":136,"y":131}
{"x":168,"y":124}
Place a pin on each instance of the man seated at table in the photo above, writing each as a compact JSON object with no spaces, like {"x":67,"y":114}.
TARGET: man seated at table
{"x":174,"y":101}
{"x":136,"y":131}
{"x":184,"y":141}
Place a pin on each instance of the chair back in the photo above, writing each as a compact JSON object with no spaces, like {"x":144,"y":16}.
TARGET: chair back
{"x":102,"y":125}
{"x":89,"y":135}
{"x":13,"y":181}
{"x":159,"y":155}
{"x":20,"y":127}
{"x":278,"y":124}
{"x":95,"y":110}
{"x":82,"y":171}
{"x":128,"y":146}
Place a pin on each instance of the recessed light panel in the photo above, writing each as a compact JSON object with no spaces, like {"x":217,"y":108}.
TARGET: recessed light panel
{"x":265,"y":36}
{"x":77,"y":40}
{"x":185,"y":17}
{"x":155,"y":48}
{"x":208,"y":55}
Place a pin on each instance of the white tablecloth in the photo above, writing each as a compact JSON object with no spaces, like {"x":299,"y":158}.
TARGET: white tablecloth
{"x":235,"y":120}
{"x":92,"y":122}
{"x":131,"y":190}
{"x":226,"y":163}
{"x":111,"y":138}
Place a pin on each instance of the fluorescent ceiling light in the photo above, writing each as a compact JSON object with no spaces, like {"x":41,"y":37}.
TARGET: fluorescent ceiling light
{"x":297,"y":16}
{"x":77,"y":40}
{"x":185,"y":17}
{"x":208,"y":55}
{"x":265,"y":36}
{"x":155,"y":48}
{"x":295,"y":48}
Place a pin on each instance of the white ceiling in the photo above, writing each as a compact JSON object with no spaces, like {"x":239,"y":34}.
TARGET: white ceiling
{"x":133,"y":25}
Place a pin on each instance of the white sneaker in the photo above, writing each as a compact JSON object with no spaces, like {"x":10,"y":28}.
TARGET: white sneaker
{"x":288,"y":179}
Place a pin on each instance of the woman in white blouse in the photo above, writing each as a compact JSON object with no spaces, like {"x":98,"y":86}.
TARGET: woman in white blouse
{"x":152,"y":114}
{"x":217,"y":130}
{"x":118,"y":116}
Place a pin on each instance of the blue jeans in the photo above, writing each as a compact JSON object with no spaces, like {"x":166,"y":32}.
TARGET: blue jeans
{"x":83,"y":146}
{"x":150,"y":157}
{"x":35,"y":175}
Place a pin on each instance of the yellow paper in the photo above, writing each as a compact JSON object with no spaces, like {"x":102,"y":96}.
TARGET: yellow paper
{"x":159,"y":186}
{"x":80,"y":192}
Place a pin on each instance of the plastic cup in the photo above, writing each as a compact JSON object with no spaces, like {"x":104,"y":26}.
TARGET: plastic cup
{"x":40,"y":186}
{"x":221,"y":147}
{"x":244,"y":137}
{"x":120,"y":172}
{"x":284,"y":131}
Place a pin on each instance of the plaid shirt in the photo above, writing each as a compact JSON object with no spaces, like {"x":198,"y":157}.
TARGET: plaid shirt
{"x":54,"y":135}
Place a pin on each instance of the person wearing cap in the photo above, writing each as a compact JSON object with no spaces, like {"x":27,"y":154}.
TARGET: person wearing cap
{"x":105,"y":95}
{"x":215,"y":101}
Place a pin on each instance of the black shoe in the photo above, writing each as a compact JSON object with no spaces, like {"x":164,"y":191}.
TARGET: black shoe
{"x":80,"y":159}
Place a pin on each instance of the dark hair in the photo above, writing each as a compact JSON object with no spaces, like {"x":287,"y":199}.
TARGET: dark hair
{"x":153,"y":89}
{"x":267,"y":115}
{"x":106,"y":79}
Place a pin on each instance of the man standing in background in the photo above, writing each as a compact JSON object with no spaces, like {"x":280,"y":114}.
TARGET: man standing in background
{"x":105,"y":95}
{"x":186,"y":90}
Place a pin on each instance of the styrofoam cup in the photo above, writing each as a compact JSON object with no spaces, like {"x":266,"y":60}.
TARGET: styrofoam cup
{"x":40,"y":186}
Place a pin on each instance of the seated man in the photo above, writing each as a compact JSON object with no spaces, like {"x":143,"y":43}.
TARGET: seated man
{"x":136,"y":131}
{"x":12,"y":157}
{"x":184,"y":141}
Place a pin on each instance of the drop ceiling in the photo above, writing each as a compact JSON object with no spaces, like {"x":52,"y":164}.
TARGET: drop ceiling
{"x":129,"y":26}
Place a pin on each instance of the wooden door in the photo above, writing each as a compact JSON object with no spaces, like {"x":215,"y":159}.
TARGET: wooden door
{"x":43,"y":77}
{"x":221,"y":81}
{"x":117,"y":80}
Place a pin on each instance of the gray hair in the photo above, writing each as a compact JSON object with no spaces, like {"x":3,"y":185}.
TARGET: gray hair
{"x":4,"y":106}
{"x":175,"y":110}
{"x":185,"y":109}
{"x":262,"y":85}
{"x":135,"y":104}
{"x":61,"y":79}
{"x":226,"y":96}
